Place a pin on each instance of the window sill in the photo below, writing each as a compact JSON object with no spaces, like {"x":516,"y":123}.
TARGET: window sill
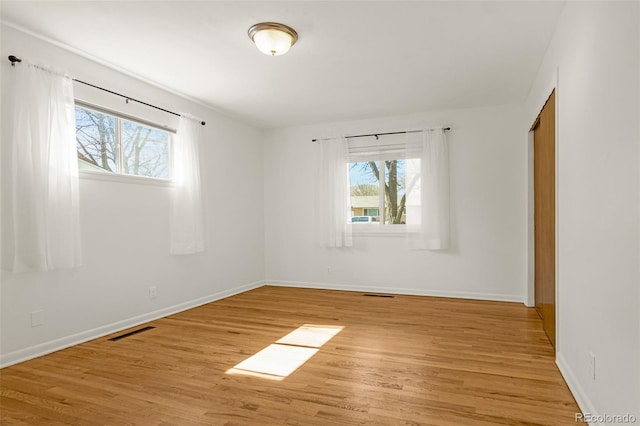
{"x":119,"y":178}
{"x":381,"y":231}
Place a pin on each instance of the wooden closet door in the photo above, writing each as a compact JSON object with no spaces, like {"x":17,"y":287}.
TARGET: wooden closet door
{"x":544,"y":171}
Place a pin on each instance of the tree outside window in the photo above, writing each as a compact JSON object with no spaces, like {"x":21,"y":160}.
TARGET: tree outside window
{"x":115,"y":145}
{"x":373,"y":178}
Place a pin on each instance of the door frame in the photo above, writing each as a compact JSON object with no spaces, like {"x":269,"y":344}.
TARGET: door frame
{"x":542,"y":97}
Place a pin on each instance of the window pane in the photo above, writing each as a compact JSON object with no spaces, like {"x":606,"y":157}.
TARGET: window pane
{"x":364,"y":190}
{"x":145,"y":151}
{"x":394,"y":194}
{"x":96,"y":140}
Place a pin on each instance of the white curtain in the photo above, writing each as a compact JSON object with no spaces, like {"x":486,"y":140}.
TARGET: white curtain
{"x":41,"y":222}
{"x":187,"y":217}
{"x":428,"y":193}
{"x":334,"y":202}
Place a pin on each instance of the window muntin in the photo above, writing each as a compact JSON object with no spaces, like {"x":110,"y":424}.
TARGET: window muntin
{"x":112,"y":144}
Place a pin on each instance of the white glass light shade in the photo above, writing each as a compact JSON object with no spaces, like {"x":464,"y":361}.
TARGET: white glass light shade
{"x":272,"y":42}
{"x":272,"y":38}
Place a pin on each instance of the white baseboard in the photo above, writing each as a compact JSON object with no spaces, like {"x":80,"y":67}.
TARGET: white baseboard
{"x":397,"y":290}
{"x":35,"y":351}
{"x":584,"y":403}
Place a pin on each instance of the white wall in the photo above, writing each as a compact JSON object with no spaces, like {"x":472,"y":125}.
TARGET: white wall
{"x":595,"y":53}
{"x":125,"y":225}
{"x":488,"y":173}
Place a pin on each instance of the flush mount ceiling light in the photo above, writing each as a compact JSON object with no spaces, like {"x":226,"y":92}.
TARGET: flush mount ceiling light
{"x":272,"y":38}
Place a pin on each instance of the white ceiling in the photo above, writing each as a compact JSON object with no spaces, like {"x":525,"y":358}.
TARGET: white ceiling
{"x":353,"y":59}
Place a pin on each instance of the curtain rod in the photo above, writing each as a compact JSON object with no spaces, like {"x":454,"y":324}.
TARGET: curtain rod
{"x":15,"y":59}
{"x":384,"y":134}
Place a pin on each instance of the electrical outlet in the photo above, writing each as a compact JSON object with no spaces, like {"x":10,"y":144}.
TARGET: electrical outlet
{"x":153,"y":292}
{"x":37,"y":318}
{"x":592,"y":365}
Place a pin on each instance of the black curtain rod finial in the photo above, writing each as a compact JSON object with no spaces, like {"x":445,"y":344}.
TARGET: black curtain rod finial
{"x":14,"y":59}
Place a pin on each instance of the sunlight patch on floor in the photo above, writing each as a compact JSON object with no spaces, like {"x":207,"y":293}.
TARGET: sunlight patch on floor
{"x":277,"y":360}
{"x":312,"y":336}
{"x":282,"y":358}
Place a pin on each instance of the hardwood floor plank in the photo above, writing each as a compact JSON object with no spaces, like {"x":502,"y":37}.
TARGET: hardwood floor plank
{"x":405,"y":360}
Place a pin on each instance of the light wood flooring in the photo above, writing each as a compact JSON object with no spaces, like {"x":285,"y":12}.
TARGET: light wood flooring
{"x":405,"y":360}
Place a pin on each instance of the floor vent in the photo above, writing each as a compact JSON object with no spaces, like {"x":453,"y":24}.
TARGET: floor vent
{"x":131,"y":333}
{"x":378,"y":295}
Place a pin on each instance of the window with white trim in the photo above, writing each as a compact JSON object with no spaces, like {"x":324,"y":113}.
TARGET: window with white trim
{"x":112,"y":144}
{"x":384,"y":180}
